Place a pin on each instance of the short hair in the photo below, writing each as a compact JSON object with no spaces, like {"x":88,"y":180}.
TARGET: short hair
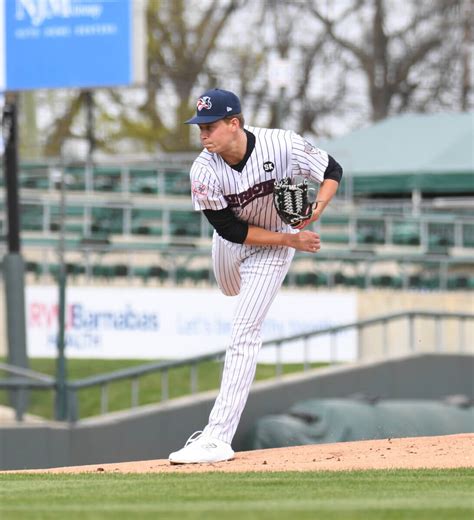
{"x":240,"y":117}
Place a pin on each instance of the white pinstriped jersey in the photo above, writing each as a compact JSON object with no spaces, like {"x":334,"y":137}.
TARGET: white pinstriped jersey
{"x":255,"y":273}
{"x":277,"y":154}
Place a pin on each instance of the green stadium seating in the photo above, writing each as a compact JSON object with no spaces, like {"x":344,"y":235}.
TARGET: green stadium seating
{"x":155,"y":226}
{"x":370,"y":231}
{"x":406,"y":233}
{"x":335,"y":238}
{"x":468,"y":235}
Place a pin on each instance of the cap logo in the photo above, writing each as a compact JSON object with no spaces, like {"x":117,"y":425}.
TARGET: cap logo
{"x":204,"y":102}
{"x":229,"y":109}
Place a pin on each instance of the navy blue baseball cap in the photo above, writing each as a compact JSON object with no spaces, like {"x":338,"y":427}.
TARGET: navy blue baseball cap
{"x":213,"y":105}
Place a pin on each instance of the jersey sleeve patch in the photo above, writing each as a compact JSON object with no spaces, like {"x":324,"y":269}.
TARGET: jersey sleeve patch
{"x":199,"y":189}
{"x":310,"y":149}
{"x":308,"y":160}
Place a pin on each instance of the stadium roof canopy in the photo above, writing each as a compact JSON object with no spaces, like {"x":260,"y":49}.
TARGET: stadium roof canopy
{"x":433,"y":153}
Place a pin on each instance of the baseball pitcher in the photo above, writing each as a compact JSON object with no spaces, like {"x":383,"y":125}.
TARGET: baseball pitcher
{"x":244,"y":181}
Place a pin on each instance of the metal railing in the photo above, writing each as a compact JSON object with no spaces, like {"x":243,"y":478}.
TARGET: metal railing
{"x":113,"y":216}
{"x":24,"y":379}
{"x":28,"y":379}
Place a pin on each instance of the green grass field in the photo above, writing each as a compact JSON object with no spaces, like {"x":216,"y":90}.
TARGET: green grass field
{"x":358,"y":495}
{"x":42,"y":402}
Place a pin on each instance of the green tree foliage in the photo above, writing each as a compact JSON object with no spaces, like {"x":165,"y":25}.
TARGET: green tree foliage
{"x":151,"y":117}
{"x":414,"y":64}
{"x":359,"y":59}
{"x":179,"y":46}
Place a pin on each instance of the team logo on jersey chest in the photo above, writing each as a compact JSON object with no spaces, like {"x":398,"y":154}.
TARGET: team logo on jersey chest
{"x":268,"y":166}
{"x":254,"y":192}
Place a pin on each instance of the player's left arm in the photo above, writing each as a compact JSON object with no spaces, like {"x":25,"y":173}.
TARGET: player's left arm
{"x":319,"y":167}
{"x":327,"y":190}
{"x":329,"y":186}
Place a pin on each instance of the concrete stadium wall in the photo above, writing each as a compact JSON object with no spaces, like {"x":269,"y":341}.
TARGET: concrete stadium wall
{"x":375,"y":303}
{"x":153,"y":431}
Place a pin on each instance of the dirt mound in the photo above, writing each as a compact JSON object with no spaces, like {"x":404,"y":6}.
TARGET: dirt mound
{"x":449,"y":451}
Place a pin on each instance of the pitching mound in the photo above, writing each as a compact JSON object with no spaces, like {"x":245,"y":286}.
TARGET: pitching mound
{"x":450,"y":451}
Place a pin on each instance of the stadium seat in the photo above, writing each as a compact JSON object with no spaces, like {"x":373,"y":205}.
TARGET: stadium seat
{"x":406,"y":234}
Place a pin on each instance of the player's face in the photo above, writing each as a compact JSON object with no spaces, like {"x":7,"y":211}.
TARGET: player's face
{"x":217,"y":137}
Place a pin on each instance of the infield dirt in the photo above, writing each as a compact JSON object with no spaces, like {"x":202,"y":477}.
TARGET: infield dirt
{"x":449,"y":451}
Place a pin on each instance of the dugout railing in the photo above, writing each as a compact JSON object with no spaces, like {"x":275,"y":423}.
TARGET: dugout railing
{"x":20,"y":380}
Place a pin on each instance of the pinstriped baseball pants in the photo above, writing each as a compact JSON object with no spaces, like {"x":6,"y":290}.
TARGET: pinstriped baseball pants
{"x":256,"y":275}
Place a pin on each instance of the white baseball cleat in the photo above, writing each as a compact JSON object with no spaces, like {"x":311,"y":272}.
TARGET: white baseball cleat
{"x":201,"y":448}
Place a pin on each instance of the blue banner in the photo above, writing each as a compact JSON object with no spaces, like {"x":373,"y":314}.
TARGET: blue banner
{"x":67,"y":43}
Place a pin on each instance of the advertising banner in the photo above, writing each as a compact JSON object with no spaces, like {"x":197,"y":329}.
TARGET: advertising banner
{"x":68,"y":43}
{"x":179,"y":323}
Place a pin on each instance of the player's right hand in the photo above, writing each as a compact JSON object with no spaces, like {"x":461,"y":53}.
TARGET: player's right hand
{"x":306,"y":241}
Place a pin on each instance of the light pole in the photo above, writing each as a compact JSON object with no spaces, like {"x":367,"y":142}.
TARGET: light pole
{"x":279,"y":79}
{"x":13,"y":265}
{"x":61,"y":408}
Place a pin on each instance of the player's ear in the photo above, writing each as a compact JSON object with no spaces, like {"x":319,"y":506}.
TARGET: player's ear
{"x":235,"y":122}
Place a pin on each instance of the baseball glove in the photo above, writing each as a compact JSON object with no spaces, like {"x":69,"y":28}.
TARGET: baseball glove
{"x":291,"y":201}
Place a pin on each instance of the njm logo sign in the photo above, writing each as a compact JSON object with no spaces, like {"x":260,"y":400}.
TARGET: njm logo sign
{"x":40,"y":10}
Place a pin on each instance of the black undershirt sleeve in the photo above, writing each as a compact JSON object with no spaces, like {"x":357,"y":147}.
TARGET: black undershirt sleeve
{"x":227,"y":225}
{"x":333,"y":170}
